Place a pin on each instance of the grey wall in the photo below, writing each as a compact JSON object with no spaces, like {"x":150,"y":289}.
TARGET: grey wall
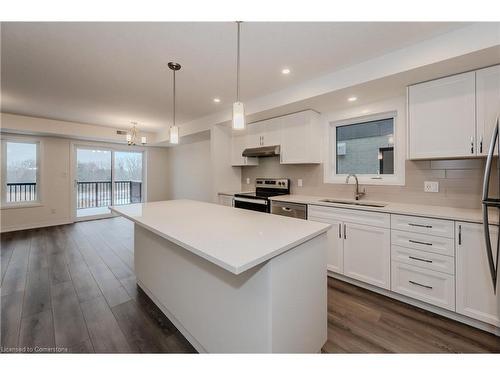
{"x":460,"y":182}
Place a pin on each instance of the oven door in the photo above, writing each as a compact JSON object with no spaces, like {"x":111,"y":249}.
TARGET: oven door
{"x":254,"y":204}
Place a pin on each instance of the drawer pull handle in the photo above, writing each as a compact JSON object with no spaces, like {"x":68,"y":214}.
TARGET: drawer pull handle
{"x":420,"y":242}
{"x":420,"y":225}
{"x":420,"y":259}
{"x":418,"y":284}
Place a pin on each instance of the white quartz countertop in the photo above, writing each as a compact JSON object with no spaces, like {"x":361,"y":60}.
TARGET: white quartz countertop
{"x":438,"y":212}
{"x":231,"y":238}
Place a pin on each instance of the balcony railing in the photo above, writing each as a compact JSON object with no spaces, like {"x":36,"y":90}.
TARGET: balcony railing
{"x":98,"y":193}
{"x":21,"y":191}
{"x":89,"y":193}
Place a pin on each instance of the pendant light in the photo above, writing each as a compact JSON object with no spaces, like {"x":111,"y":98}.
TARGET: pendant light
{"x":238,"y":107}
{"x":174,"y":129}
{"x":132,"y":136}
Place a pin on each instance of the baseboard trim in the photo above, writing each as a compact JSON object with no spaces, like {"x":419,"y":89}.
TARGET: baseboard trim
{"x":424,"y":306}
{"x":42,"y":224}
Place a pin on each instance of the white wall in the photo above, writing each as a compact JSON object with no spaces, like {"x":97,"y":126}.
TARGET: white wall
{"x":56,"y":189}
{"x":225,"y":178}
{"x":157,"y":174}
{"x":190,"y":171}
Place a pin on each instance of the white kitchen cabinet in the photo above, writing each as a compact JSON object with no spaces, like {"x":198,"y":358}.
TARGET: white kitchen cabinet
{"x":367,"y":254}
{"x":441,"y":117}
{"x":475,"y":296}
{"x":335,"y":251}
{"x":226,"y":200}
{"x":301,"y":138}
{"x":359,"y":243}
{"x":272,"y":132}
{"x":297,"y":134}
{"x":264,"y":133}
{"x":239,"y":141}
{"x":487,"y":106}
{"x":436,"y":288}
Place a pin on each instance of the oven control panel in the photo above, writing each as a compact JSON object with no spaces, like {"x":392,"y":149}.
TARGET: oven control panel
{"x":272,"y":183}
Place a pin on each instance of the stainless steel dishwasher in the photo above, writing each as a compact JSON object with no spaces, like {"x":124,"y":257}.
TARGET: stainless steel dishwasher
{"x":296,"y":210}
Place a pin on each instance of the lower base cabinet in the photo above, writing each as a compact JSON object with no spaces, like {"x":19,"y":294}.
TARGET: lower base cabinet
{"x":436,"y":288}
{"x":447,"y":267}
{"x":226,"y":200}
{"x":475,"y":295}
{"x":335,"y":252}
{"x":367,"y":254}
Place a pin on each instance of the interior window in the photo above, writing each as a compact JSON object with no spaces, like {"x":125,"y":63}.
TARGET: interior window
{"x":365,"y":148}
{"x":20,"y":172}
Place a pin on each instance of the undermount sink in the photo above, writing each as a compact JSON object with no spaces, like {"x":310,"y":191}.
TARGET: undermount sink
{"x":354,"y":203}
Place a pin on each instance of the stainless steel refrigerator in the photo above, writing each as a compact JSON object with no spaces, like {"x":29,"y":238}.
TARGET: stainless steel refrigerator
{"x":490,"y":204}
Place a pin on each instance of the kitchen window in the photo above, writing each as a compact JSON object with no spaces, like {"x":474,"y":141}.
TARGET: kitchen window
{"x":20,"y":173}
{"x":365,"y":146}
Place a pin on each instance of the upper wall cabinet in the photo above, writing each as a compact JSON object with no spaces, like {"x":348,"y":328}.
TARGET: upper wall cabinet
{"x":239,"y":141}
{"x":441,"y":121}
{"x":298,"y":134}
{"x":301,"y":138}
{"x":453,"y":117}
{"x":487,"y":105}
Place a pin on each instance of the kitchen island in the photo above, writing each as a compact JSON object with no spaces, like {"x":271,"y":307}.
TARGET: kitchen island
{"x":233,"y":280}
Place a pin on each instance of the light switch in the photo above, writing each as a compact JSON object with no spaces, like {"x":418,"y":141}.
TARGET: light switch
{"x":248,"y":181}
{"x":299,"y":182}
{"x":431,"y":186}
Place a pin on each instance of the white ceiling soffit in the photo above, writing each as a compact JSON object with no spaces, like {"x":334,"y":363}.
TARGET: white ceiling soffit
{"x":113,"y":73}
{"x":459,"y":49}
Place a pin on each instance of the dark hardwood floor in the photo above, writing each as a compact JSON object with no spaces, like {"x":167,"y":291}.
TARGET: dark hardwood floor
{"x":72,"y":289}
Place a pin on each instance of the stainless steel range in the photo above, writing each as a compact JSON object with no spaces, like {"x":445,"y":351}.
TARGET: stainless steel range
{"x":264,"y":189}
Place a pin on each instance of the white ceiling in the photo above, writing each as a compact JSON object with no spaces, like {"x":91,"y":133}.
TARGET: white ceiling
{"x":113,"y":73}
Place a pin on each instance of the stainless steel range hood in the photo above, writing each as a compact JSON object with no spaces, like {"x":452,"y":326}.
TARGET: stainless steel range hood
{"x":261,"y":151}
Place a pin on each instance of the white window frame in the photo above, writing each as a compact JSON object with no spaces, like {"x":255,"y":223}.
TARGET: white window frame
{"x":330,"y":172}
{"x":39,"y":174}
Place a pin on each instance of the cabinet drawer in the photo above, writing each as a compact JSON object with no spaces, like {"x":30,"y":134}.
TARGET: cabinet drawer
{"x":418,"y":241}
{"x":423,"y":259}
{"x":374,"y":219}
{"x":436,"y":288}
{"x":435,"y":227}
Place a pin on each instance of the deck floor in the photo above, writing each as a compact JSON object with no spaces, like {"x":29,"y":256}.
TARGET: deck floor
{"x":72,"y":288}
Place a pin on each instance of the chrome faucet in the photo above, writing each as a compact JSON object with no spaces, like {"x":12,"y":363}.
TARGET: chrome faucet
{"x":357,"y":194}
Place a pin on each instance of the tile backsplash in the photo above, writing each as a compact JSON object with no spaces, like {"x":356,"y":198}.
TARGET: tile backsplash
{"x":460,"y":182}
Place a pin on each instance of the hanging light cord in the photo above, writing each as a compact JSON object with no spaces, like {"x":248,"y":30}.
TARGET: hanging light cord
{"x":174,"y":98}
{"x":238,"y":64}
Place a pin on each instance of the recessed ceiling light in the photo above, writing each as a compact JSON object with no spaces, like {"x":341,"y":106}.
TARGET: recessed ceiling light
{"x":352,"y":99}
{"x":285,"y":71}
{"x":216,"y":100}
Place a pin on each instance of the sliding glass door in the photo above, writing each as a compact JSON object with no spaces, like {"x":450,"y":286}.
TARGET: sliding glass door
{"x":105,"y":177}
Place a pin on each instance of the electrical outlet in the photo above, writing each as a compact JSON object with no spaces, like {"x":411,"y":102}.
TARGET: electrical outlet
{"x":248,"y":181}
{"x":431,"y":186}
{"x":299,"y":182}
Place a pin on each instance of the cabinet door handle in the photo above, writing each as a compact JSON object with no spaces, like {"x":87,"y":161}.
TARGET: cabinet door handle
{"x":420,"y":242}
{"x":420,"y":225}
{"x":345,"y":232}
{"x":422,"y":285}
{"x":471,"y":145}
{"x":340,"y":230}
{"x":459,"y":234}
{"x":420,"y":259}
{"x":481,"y":145}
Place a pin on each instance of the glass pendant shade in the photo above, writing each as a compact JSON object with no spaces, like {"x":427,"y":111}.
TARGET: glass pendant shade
{"x":238,"y":116}
{"x":174,"y":134}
